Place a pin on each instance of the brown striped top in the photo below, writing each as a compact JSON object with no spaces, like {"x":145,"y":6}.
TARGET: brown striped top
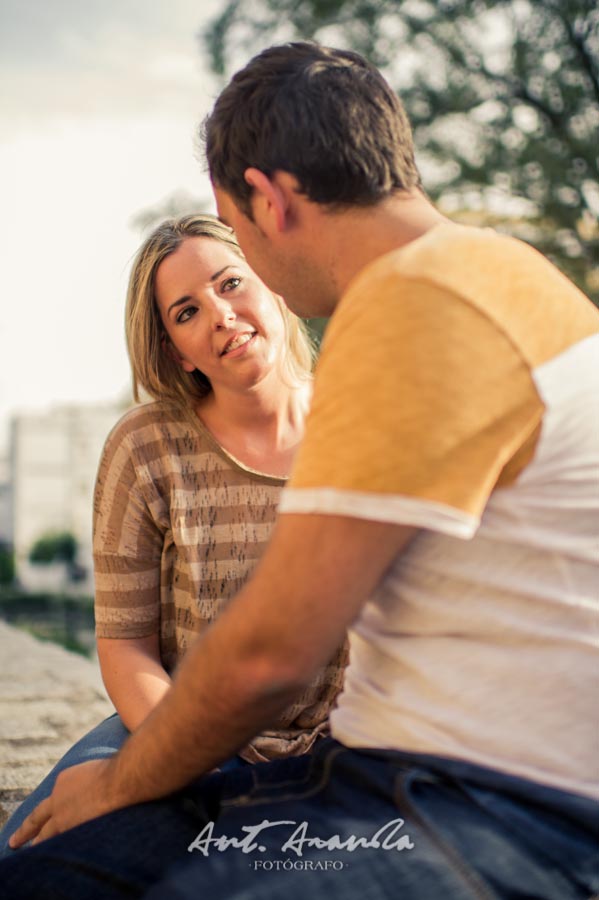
{"x":179,"y":525}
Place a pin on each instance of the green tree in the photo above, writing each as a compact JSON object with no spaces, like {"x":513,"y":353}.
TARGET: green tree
{"x":7,"y":564}
{"x":54,"y":546}
{"x":503,"y":96}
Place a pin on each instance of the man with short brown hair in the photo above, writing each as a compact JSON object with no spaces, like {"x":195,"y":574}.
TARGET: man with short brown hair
{"x":443,"y":507}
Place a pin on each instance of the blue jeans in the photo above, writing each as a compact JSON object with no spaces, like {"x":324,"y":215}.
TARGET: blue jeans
{"x":102,"y":741}
{"x":447,"y":830}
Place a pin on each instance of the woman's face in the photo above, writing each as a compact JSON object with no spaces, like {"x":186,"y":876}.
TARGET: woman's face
{"x":219,"y":317}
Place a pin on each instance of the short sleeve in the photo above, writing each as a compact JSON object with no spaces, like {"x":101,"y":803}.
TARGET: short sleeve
{"x":127,"y":544}
{"x":420,"y":401}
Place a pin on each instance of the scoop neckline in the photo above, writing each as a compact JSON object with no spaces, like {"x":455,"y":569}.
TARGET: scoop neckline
{"x":194,"y":419}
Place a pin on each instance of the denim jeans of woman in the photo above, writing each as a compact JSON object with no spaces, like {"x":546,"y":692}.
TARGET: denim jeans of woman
{"x":102,"y":741}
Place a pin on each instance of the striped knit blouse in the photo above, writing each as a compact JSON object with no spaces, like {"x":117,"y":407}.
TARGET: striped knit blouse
{"x":179,"y":525}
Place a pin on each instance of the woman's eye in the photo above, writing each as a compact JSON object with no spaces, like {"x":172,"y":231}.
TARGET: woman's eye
{"x":186,"y":313}
{"x":231,"y":283}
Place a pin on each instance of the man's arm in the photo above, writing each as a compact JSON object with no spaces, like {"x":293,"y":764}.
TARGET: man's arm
{"x":317,"y":572}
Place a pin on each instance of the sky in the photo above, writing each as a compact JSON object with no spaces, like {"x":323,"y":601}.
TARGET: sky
{"x":99,"y":108}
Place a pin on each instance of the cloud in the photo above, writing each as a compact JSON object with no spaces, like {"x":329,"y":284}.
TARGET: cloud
{"x":38,"y":31}
{"x":68,"y":58}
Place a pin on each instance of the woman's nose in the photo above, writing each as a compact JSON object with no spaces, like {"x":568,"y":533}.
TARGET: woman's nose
{"x":222,"y":315}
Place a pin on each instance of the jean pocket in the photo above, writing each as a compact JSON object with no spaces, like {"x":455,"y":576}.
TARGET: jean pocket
{"x":414,"y":810}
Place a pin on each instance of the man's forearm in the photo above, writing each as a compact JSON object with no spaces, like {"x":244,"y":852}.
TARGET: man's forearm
{"x":261,"y":652}
{"x":269,"y":643}
{"x":210,"y":712}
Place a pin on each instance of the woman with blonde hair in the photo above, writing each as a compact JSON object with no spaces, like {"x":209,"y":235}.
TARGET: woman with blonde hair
{"x":188,"y":484}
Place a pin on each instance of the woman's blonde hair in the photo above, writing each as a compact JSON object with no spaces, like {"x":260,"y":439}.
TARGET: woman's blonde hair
{"x":154,"y":369}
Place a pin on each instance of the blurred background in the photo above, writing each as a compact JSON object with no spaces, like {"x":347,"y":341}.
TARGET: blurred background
{"x":99,"y":112}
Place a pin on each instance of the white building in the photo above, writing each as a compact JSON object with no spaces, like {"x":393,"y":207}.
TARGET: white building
{"x":54,"y":458}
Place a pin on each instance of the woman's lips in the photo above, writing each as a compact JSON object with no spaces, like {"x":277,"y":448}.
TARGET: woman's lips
{"x":238,"y":342}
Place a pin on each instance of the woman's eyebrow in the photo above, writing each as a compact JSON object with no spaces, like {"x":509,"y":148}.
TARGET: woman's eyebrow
{"x":220,"y":272}
{"x":178,"y":303}
{"x":188,"y":296}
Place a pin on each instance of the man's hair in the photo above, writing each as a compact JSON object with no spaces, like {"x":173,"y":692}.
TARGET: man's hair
{"x":326,"y":116}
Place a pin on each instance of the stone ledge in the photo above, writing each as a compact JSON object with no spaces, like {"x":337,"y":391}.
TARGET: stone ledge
{"x":49,"y":698}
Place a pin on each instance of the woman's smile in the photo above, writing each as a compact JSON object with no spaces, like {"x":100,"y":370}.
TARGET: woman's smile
{"x":238,"y":342}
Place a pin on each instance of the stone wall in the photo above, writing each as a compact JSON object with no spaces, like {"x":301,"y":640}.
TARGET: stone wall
{"x":48,"y":699}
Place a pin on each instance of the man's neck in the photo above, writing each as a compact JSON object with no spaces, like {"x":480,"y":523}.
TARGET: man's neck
{"x":362,"y":234}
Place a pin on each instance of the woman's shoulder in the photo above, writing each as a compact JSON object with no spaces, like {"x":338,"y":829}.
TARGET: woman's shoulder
{"x":146,"y":424}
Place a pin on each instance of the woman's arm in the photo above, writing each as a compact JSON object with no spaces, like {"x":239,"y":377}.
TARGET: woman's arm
{"x":128,"y":542}
{"x":133,"y":676}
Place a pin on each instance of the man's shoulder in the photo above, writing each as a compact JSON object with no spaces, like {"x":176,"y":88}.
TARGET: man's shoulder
{"x":453,"y":275}
{"x":447,"y":255}
{"x":414,"y":282}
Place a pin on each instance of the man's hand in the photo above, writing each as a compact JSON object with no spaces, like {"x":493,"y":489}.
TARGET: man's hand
{"x":80,"y":794}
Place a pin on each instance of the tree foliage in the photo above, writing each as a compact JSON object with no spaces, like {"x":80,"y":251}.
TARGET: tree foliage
{"x":7,"y":564}
{"x":503,"y":96}
{"x":54,"y":547}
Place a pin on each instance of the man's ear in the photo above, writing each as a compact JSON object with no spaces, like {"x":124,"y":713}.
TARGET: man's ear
{"x":271,"y":198}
